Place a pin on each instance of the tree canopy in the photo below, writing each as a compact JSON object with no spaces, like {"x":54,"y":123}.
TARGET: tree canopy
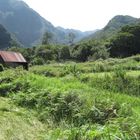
{"x":126,"y":42}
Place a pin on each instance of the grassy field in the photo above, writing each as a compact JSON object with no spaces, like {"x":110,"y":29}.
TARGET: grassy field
{"x":72,"y":101}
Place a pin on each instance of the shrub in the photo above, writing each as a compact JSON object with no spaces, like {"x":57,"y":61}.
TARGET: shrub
{"x":60,"y":107}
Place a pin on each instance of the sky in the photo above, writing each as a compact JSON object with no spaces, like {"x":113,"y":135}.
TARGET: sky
{"x":84,"y":15}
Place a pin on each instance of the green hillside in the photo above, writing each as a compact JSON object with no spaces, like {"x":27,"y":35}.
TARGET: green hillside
{"x":126,"y":42}
{"x":113,"y":26}
{"x":92,"y":100}
{"x":119,"y":38}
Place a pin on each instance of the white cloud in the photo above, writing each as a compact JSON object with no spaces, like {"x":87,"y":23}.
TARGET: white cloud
{"x":83,"y":14}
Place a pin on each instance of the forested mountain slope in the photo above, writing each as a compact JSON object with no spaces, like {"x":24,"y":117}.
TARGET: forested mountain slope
{"x":5,"y":38}
{"x":28,"y":26}
{"x":113,"y":26}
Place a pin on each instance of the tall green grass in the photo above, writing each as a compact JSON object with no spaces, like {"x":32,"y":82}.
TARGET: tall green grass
{"x":85,"y":101}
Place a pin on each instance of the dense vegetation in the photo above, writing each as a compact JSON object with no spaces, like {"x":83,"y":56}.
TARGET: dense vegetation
{"x":112,"y":28}
{"x":119,"y":38}
{"x":92,"y":100}
{"x":126,"y":42}
{"x":82,"y":91}
{"x":118,"y":41}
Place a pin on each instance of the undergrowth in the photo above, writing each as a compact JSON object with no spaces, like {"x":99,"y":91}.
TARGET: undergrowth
{"x":77,"y":101}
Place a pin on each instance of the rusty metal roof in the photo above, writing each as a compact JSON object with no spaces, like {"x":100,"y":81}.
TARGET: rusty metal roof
{"x":8,"y":56}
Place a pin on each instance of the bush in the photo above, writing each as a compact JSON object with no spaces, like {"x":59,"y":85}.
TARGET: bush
{"x":68,"y":107}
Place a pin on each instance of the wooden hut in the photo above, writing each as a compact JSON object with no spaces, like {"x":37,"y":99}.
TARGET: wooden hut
{"x":12,"y":59}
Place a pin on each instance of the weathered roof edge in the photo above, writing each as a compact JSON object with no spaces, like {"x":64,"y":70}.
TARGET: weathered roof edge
{"x":9,"y":56}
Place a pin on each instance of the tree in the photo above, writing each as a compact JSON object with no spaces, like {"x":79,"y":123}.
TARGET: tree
{"x":47,"y":37}
{"x":126,"y":42}
{"x":65,"y":53}
{"x":99,"y":52}
{"x":44,"y":52}
{"x":81,"y":52}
